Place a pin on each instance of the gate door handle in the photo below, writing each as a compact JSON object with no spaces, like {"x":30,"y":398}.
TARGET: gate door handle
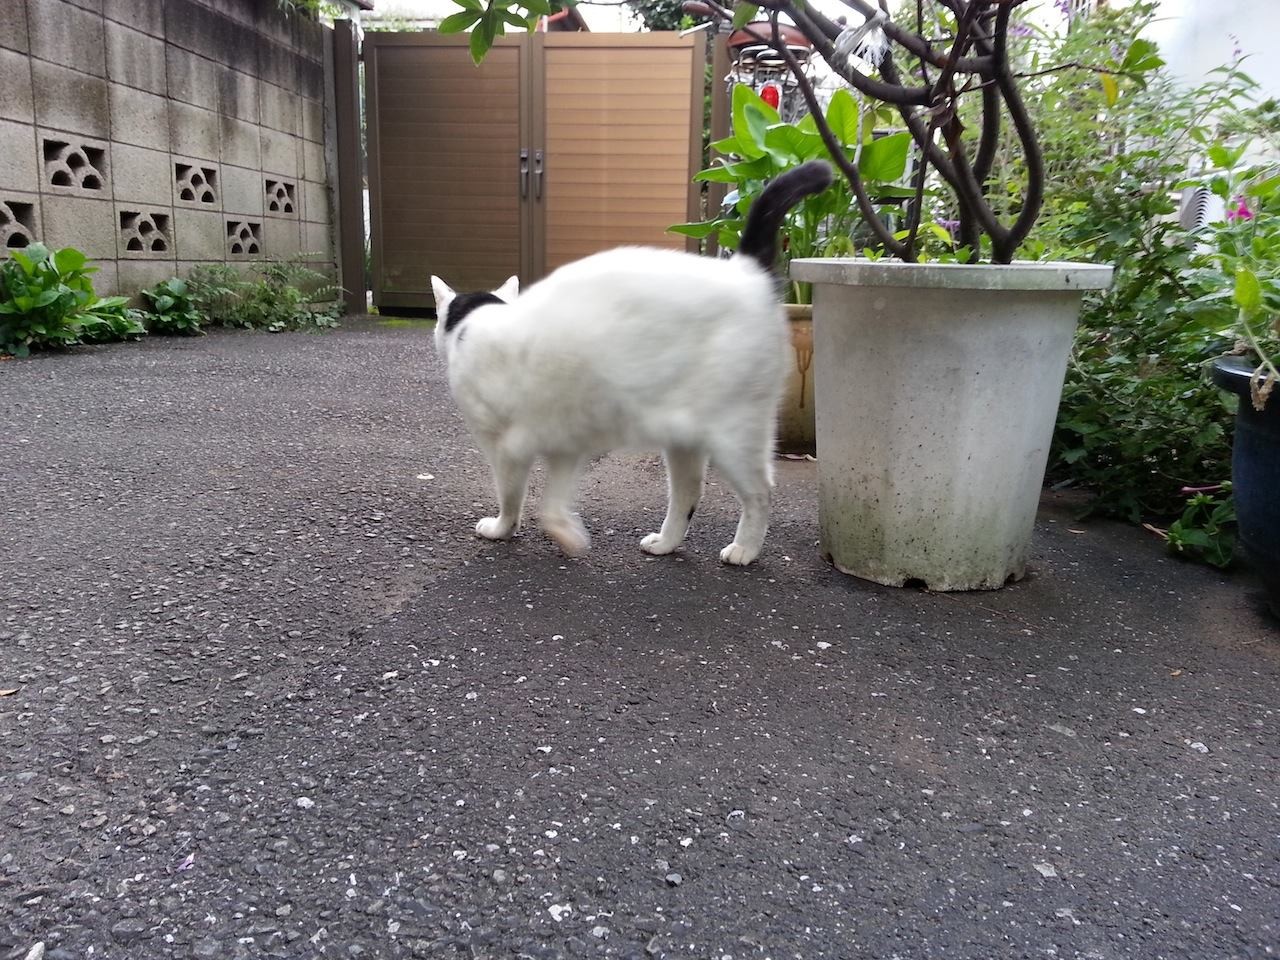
{"x":524,"y":173}
{"x":537,"y":174}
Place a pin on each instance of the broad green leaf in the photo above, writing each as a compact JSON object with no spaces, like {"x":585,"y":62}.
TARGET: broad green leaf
{"x":727,"y":145}
{"x":941,"y":232}
{"x":739,"y":172}
{"x":793,"y":142}
{"x":541,"y":8}
{"x":730,"y":236}
{"x":757,"y":125}
{"x":885,"y":160}
{"x":1220,"y":156}
{"x":743,"y":96}
{"x":745,"y":13}
{"x":458,"y":22}
{"x":45,"y":298}
{"x":842,"y":117}
{"x":720,"y":174}
{"x":696,"y":230}
{"x":1248,"y":292}
{"x":889,"y":192}
{"x":1142,"y":57}
{"x":23,"y":261}
{"x":807,"y":124}
{"x":480,"y":44}
{"x":1110,"y":88}
{"x":69,"y":260}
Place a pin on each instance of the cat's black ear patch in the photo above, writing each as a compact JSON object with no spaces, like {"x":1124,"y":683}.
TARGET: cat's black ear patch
{"x":462,"y":305}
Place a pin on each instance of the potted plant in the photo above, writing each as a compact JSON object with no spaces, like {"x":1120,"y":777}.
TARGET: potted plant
{"x":762,"y":146}
{"x":1241,"y":274}
{"x":937,"y":383}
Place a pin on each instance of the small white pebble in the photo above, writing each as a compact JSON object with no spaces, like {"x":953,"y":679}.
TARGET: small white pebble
{"x":559,"y":911}
{"x":304,"y":803}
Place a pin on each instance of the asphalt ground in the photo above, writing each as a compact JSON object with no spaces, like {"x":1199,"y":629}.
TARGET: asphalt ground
{"x":264,"y":694}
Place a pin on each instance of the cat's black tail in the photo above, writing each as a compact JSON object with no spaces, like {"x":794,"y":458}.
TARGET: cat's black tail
{"x":764,"y":219}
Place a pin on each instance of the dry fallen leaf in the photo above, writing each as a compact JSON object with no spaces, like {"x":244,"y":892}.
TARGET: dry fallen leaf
{"x":1176,"y":673}
{"x":8,"y":693}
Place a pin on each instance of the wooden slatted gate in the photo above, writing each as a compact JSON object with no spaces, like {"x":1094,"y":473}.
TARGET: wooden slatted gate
{"x":556,"y":146}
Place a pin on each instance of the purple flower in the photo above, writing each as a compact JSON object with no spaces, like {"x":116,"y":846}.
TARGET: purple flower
{"x":1064,"y":7}
{"x":1240,"y":211}
{"x":1017,"y":29}
{"x":951,"y":226}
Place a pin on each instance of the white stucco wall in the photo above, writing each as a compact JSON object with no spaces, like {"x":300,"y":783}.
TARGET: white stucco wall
{"x":1195,"y":36}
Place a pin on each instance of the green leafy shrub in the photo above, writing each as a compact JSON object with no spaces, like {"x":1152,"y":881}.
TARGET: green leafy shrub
{"x":286,"y":295}
{"x":47,"y":302}
{"x":173,"y":312}
{"x":1138,"y":420}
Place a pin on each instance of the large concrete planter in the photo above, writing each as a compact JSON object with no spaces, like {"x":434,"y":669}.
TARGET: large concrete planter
{"x":936,"y":389}
{"x":795,"y":416}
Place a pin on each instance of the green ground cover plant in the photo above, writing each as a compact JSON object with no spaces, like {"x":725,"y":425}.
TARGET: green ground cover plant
{"x":47,"y":302}
{"x":172,"y":310}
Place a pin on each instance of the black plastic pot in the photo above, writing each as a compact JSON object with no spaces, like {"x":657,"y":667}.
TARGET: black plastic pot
{"x":1255,"y":474}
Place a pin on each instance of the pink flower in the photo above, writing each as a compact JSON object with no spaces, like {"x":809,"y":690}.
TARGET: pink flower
{"x":1240,"y":211}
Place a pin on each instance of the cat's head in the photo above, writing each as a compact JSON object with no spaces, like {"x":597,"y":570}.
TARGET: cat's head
{"x":453,"y":307}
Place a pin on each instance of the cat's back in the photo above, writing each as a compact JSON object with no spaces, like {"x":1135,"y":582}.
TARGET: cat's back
{"x":666,"y":283}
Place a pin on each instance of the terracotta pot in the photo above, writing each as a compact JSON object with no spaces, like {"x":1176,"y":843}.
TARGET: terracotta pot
{"x":795,"y":417}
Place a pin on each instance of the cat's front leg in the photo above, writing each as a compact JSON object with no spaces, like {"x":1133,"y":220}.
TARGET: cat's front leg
{"x":685,"y":470}
{"x":510,"y":478}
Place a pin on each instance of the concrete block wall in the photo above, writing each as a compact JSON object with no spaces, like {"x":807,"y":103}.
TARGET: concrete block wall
{"x":158,"y":134}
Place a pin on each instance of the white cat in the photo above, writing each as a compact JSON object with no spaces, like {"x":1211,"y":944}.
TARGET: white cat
{"x":634,"y":348}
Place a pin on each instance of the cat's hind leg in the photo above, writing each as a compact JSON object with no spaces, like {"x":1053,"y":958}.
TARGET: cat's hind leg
{"x":558,"y":518}
{"x":685,"y":470}
{"x":510,"y":478}
{"x":747,"y":468}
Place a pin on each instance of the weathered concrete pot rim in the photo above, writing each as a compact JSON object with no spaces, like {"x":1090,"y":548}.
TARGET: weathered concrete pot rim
{"x":1022,"y":275}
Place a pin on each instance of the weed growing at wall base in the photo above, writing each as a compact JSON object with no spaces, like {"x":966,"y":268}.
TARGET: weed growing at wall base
{"x":287,"y":295}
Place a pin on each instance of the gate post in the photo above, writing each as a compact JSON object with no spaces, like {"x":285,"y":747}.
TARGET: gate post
{"x":350,"y":177}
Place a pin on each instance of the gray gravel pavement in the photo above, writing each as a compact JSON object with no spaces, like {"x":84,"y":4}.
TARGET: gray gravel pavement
{"x":272,"y":699}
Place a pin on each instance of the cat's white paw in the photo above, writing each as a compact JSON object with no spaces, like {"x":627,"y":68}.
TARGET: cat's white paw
{"x":735,"y":554}
{"x":655,"y":545}
{"x":492,"y":528}
{"x":570,"y":534}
